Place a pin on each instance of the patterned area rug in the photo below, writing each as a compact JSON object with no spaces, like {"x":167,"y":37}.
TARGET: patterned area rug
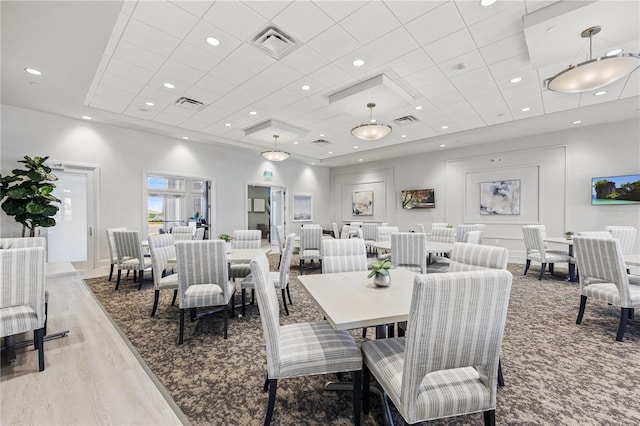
{"x":556,"y":372}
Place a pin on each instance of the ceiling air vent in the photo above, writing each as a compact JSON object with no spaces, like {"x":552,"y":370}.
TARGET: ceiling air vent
{"x":274,"y":42}
{"x":407,"y":119}
{"x":321,"y":142}
{"x":187,"y":103}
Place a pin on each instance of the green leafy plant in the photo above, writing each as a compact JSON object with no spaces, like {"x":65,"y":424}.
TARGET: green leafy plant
{"x":380,"y":268}
{"x":568,"y":233}
{"x":27,"y":195}
{"x":225,"y":237}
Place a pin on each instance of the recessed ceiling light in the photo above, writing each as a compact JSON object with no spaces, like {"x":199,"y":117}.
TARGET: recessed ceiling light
{"x":330,"y":152}
{"x":442,"y":145}
{"x":445,"y":127}
{"x":358,"y":63}
{"x":551,"y":29}
{"x":33,"y":71}
{"x":486,"y":3}
{"x":213,"y":41}
{"x":86,"y":117}
{"x":295,"y":142}
{"x":313,"y":164}
{"x":253,"y":113}
{"x":149,"y":104}
{"x":418,"y":107}
{"x":525,"y":109}
{"x":600,"y":93}
{"x":576,"y":122}
{"x":322,"y":135}
{"x":614,"y":52}
{"x":403,"y":136}
{"x":356,"y":147}
{"x":359,"y":159}
{"x":516,"y":80}
{"x":185,"y":137}
{"x":305,"y":87}
{"x":169,"y":85}
{"x":227,"y":124}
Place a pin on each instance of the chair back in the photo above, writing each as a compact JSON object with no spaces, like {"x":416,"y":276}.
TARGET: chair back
{"x":285,"y":262}
{"x":463,"y":230}
{"x":246,"y":239}
{"x":349,"y":231}
{"x":409,"y":251}
{"x":435,"y":225}
{"x":310,"y":238}
{"x":162,"y":249}
{"x":22,"y":280}
{"x":443,"y":235}
{"x":369,"y":231}
{"x":384,"y":232}
{"x":113,"y":254}
{"x":358,"y":224}
{"x":280,"y":236}
{"x":533,"y":240}
{"x":160,"y":240}
{"x":9,"y":243}
{"x":201,"y":262}
{"x":346,"y":255}
{"x":473,"y":237}
{"x":472,"y":257}
{"x":336,"y":231}
{"x":199,"y":234}
{"x":421,"y":229}
{"x":455,"y":320}
{"x":269,"y":310}
{"x":128,"y":246}
{"x":595,"y":234}
{"x":626,"y":235}
{"x":601,"y":259}
{"x":182,"y":233}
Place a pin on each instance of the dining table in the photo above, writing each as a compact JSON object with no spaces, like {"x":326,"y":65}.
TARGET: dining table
{"x":573,"y":277}
{"x":632,"y":259}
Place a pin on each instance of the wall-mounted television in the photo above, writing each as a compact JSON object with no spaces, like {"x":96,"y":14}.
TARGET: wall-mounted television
{"x":418,"y":199}
{"x":615,"y":190}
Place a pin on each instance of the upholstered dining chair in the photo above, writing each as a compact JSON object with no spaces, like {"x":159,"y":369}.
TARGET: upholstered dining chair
{"x":348,"y":255}
{"x":310,"y":246}
{"x":22,"y":299}
{"x":113,"y":255}
{"x":537,"y":250}
{"x":203,"y":279}
{"x":350,"y":231}
{"x":447,"y":364}
{"x":182,"y":233}
{"x":421,"y":229}
{"x":250,"y":239}
{"x":130,"y":257}
{"x":463,"y":230}
{"x":435,"y":225}
{"x":162,"y":250}
{"x":199,"y":234}
{"x":384,"y":234}
{"x":473,"y":237}
{"x":336,"y":231}
{"x":302,"y":349}
{"x":603,"y":276}
{"x":280,"y":278}
{"x":443,"y":235}
{"x":281,"y":240}
{"x":409,"y":251}
{"x":625,"y":234}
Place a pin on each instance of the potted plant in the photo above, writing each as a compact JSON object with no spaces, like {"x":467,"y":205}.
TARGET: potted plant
{"x":227,"y":238}
{"x":568,"y":235}
{"x":380,"y":273}
{"x":27,"y":195}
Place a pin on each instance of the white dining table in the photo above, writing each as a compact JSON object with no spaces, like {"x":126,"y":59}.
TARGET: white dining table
{"x":432,"y":246}
{"x":238,"y":255}
{"x":632,"y":259}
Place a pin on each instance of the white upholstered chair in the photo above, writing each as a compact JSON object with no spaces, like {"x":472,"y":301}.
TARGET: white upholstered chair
{"x":181,"y":233}
{"x":336,"y":231}
{"x":203,"y":279}
{"x":443,"y":235}
{"x":244,"y":239}
{"x":421,"y":229}
{"x":350,"y":231}
{"x":473,"y":257}
{"x":199,"y":234}
{"x":113,"y":255}
{"x":603,"y":276}
{"x":347,"y":255}
{"x":435,"y":225}
{"x":447,"y":364}
{"x":473,"y":237}
{"x":22,"y":300}
{"x":280,"y":278}
{"x":537,"y":250}
{"x":409,"y":251}
{"x":310,"y":246}
{"x":463,"y":230}
{"x":130,"y":257}
{"x":302,"y":349}
{"x":369,"y":233}
{"x":384,"y":234}
{"x":162,"y":249}
{"x":626,"y":235}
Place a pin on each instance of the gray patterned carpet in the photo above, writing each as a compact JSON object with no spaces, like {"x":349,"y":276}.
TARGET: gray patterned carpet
{"x":556,"y":372}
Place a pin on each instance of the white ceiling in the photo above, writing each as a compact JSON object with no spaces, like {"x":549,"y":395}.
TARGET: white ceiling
{"x":455,"y":59}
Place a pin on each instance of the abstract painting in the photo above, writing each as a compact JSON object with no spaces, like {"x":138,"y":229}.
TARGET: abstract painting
{"x":302,"y":208}
{"x":362,"y":203}
{"x":418,"y":199}
{"x":500,"y":197}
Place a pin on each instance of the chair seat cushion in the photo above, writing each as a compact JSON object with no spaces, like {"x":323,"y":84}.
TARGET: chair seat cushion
{"x":634,"y":279}
{"x":551,"y":257}
{"x":134,"y":264}
{"x":167,"y":282}
{"x":18,"y":319}
{"x":239,"y":270}
{"x":436,"y":268}
{"x":441,"y":394}
{"x":206,"y":295}
{"x":310,"y":254}
{"x":608,"y":292}
{"x":248,"y":283}
{"x":316,"y":348}
{"x":413,"y":268}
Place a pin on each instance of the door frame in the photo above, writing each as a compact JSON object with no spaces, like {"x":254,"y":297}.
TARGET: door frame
{"x":267,"y":185}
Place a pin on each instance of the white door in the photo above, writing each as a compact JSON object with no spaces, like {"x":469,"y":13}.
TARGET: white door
{"x":277,"y":212}
{"x":72,"y":239}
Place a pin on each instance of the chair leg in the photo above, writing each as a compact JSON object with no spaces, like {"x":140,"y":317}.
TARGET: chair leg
{"x":583,"y":304}
{"x":135,"y":276}
{"x":46,"y":316}
{"x":156,"y":297}
{"x":366,"y":380}
{"x":175,"y":294}
{"x":279,"y":260}
{"x":364,"y":333}
{"x":490,"y":418}
{"x":243,"y":296}
{"x":631,"y":317}
{"x":289,"y":295}
{"x":301,"y":263}
{"x":111,"y":272}
{"x":526,"y":267}
{"x":140,"y":276}
{"x":542,"y":268}
{"x":551,"y":268}
{"x":192,"y":314}
{"x":118,"y":278}
{"x":357,"y":396}
{"x":253,"y":296}
{"x":181,"y":337}
{"x":500,"y":376}
{"x":624,"y":316}
{"x":273,"y":386}
{"x":226,"y":318}
{"x":266,"y":384}
{"x":39,"y":337}
{"x":284,"y":303}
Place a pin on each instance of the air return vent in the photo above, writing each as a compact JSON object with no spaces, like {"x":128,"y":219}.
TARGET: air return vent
{"x":321,"y":142}
{"x":407,"y":119}
{"x":187,"y":103}
{"x":274,"y":42}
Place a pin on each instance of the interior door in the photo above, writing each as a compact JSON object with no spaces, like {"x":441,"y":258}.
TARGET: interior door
{"x":72,"y":239}
{"x":277,"y":212}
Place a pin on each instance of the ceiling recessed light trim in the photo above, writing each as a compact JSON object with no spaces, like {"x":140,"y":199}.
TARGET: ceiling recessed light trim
{"x":600,"y":93}
{"x":371,"y":131}
{"x":358,"y":63}
{"x":486,"y":3}
{"x":275,"y":154}
{"x":149,"y":103}
{"x":86,"y":117}
{"x":515,"y":80}
{"x":576,"y":122}
{"x":213,"y":41}
{"x":169,"y":85}
{"x":33,"y":71}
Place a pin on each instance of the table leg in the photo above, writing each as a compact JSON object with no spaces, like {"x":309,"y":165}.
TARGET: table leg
{"x":572,"y":267}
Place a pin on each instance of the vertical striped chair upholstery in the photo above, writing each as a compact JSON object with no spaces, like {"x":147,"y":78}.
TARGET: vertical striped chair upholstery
{"x":22,"y":300}
{"x":349,"y":231}
{"x":447,"y":364}
{"x":162,"y":249}
{"x":473,"y":237}
{"x":302,"y":349}
{"x":203,"y":279}
{"x":471,"y":257}
{"x":336,"y":231}
{"x":199,"y":234}
{"x":310,"y":245}
{"x":369,"y":232}
{"x":113,"y":255}
{"x":347,"y":255}
{"x":595,"y":234}
{"x":435,"y":225}
{"x":537,"y":250}
{"x":281,"y":240}
{"x":626,"y":235}
{"x":280,"y":278}
{"x":443,"y":235}
{"x":384,"y":234}
{"x":130,"y":257}
{"x":244,"y":239}
{"x":182,"y":233}
{"x":409,"y":251}
{"x":603,"y":276}
{"x":463,"y":230}
{"x":421,"y":229}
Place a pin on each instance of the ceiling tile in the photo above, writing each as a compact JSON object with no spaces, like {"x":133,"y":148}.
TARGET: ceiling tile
{"x":214,"y":84}
{"x":107,"y":104}
{"x":471,"y":78}
{"x":115,"y":94}
{"x":281,"y":74}
{"x":632,"y":88}
{"x":498,"y":26}
{"x":128,"y":71}
{"x":159,"y":97}
{"x":112,"y":80}
{"x":250,"y":58}
{"x":202,"y":95}
{"x":330,"y":76}
{"x":142,"y":35}
{"x":338,"y":10}
{"x":268,"y":9}
{"x":260,"y":86}
{"x":372,"y":21}
{"x":302,"y":20}
{"x":195,"y":7}
{"x":165,"y":16}
{"x":447,"y":99}
{"x":139,"y":110}
{"x":173,"y":115}
{"x":236,"y":19}
{"x":230,"y":73}
{"x":411,"y":63}
{"x":481,"y":89}
{"x":614,"y":90}
{"x":175,"y":70}
{"x":333,"y":43}
{"x":450,"y":46}
{"x":304,"y":60}
{"x":516,"y":66}
{"x":473,"y":12}
{"x":436,"y":24}
{"x":135,"y":55}
{"x":462,"y":64}
{"x":195,"y":57}
{"x":203,"y":30}
{"x":520,"y":90}
{"x":504,"y":49}
{"x":407,"y":11}
{"x":393,"y":45}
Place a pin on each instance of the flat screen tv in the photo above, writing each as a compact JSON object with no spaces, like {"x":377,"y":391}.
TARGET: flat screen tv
{"x":418,"y":199}
{"x":615,"y":190}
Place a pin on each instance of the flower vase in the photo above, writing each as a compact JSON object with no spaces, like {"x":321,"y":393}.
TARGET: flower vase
{"x":382,"y":280}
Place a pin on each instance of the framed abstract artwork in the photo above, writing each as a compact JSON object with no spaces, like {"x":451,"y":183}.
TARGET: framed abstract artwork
{"x":362,"y":203}
{"x":302,"y":207}
{"x":500,"y":197}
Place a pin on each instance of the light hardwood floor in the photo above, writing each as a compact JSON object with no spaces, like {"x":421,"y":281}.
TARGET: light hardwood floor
{"x":92,"y":376}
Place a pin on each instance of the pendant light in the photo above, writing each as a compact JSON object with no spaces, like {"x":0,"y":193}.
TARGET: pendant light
{"x":371,"y":131}
{"x":275,"y":154}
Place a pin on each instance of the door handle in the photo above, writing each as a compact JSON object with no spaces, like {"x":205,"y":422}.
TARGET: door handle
{"x":91,"y":231}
